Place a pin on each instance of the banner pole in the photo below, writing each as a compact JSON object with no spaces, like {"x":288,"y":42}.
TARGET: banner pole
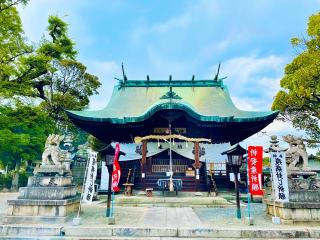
{"x":248,"y":192}
{"x":112,"y":205}
{"x":273,"y":189}
{"x":83,"y":183}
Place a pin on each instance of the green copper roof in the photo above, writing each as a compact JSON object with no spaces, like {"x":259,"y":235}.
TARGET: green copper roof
{"x":205,"y":100}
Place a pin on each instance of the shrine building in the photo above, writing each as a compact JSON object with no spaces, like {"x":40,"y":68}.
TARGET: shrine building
{"x":178,"y":126}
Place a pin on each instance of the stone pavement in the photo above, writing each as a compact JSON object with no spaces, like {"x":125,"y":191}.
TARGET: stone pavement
{"x":3,"y":201}
{"x":151,"y":222}
{"x":171,"y":217}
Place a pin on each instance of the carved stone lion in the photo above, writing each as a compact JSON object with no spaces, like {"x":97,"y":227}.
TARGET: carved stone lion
{"x":52,"y":154}
{"x":296,"y":155}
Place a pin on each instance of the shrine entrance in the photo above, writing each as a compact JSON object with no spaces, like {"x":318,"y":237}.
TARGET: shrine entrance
{"x":158,"y":167}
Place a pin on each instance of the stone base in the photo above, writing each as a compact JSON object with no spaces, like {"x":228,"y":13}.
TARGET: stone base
{"x":300,"y":173}
{"x":35,"y":219}
{"x":47,"y":193}
{"x":294,"y":212}
{"x":56,"y":180}
{"x":51,"y":170}
{"x":111,"y":221}
{"x":249,"y":220}
{"x":305,"y":196}
{"x":21,"y":210}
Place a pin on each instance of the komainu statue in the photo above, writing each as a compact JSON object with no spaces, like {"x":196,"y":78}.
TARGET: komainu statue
{"x":296,"y":155}
{"x":52,"y":154}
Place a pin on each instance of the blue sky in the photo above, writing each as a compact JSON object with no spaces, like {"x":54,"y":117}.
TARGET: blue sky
{"x":251,"y":39}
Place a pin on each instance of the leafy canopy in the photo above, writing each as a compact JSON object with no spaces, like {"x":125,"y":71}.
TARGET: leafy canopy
{"x":299,"y":98}
{"x":23,"y":130}
{"x":36,"y":84}
{"x":55,"y":76}
{"x":12,"y":46}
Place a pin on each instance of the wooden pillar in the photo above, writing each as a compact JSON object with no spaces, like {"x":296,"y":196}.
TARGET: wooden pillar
{"x":197,"y":164}
{"x":143,"y":162}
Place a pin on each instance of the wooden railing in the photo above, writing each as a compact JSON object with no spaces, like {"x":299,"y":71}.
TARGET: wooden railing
{"x":218,"y":168}
{"x":166,"y":168}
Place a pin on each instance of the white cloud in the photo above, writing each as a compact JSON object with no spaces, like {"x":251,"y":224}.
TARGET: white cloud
{"x":200,"y":11}
{"x":164,"y":66}
{"x":181,"y":21}
{"x":247,"y":67}
{"x":106,"y":71}
{"x":253,"y":80}
{"x":244,"y":103}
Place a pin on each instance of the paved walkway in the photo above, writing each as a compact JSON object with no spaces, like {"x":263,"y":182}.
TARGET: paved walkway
{"x":171,"y":217}
{"x":3,"y":202}
{"x":144,"y":216}
{"x":184,"y":221}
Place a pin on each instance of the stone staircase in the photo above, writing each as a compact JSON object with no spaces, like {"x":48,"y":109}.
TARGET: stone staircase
{"x":78,"y":173}
{"x":156,"y":233}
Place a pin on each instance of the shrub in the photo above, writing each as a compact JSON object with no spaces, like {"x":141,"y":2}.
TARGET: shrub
{"x":5,"y":181}
{"x":23,"y":179}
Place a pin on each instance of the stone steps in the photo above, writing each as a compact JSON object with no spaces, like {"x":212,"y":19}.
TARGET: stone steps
{"x":131,"y":238}
{"x":172,"y":201}
{"x":108,"y":232}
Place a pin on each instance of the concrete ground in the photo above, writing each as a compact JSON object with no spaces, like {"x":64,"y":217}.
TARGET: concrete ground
{"x":3,"y":201}
{"x":164,"y":217}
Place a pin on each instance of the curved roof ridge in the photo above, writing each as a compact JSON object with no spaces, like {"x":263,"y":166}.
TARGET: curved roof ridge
{"x":138,"y":103}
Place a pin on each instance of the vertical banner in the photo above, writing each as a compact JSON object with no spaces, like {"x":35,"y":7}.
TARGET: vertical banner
{"x":279,"y":176}
{"x":90,"y":177}
{"x":116,"y":173}
{"x":255,"y":156}
{"x":104,"y":177}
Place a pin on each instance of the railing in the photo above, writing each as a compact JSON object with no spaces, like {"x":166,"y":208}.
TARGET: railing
{"x":166,"y":168}
{"x":163,"y":165}
{"x":217,"y":168}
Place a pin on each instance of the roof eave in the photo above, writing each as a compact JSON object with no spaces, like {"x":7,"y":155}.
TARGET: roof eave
{"x":74,"y":115}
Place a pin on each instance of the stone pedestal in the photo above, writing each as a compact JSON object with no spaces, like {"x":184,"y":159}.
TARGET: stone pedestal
{"x":304,"y":200}
{"x":49,"y":197}
{"x":295,"y":212}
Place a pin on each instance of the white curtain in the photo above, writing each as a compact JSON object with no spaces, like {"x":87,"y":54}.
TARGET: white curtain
{"x":212,"y":151}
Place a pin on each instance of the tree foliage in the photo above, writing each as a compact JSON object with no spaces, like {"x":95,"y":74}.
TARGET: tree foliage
{"x":299,"y":98}
{"x":37,"y":82}
{"x":49,"y":72}
{"x":55,"y":76}
{"x":6,"y":4}
{"x":12,"y":46}
{"x":23,"y":130}
{"x":95,"y":143}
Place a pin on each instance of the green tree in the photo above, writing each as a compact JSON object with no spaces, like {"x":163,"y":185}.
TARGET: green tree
{"x":47,"y":74}
{"x":12,"y":46}
{"x":23,"y":130}
{"x":6,"y":4}
{"x":55,"y":76}
{"x":299,"y":98}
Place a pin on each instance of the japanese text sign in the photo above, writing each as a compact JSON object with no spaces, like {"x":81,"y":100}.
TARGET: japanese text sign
{"x":255,"y":154}
{"x":90,"y":177}
{"x":279,"y":175}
